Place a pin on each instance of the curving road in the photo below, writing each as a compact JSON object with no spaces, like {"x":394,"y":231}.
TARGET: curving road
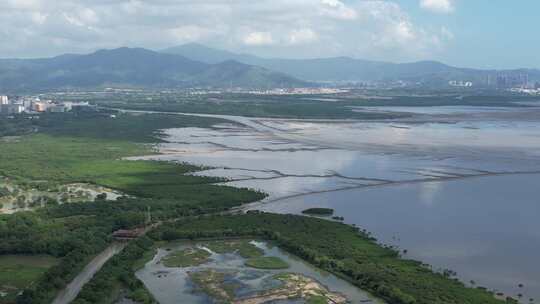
{"x":68,"y":294}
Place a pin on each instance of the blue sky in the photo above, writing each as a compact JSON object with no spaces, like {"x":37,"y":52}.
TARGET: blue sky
{"x":467,"y":33}
{"x":487,"y":33}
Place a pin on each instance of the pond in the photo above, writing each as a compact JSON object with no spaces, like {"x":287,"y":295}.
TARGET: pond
{"x":246,"y":285}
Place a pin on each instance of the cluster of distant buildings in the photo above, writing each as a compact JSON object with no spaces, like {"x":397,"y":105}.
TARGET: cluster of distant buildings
{"x":514,"y":82}
{"x":528,"y":90}
{"x":20,"y":105}
{"x":299,"y":91}
{"x":277,"y":91}
{"x":460,"y":83}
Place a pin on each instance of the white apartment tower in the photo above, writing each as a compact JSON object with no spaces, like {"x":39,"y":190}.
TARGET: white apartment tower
{"x":4,"y":100}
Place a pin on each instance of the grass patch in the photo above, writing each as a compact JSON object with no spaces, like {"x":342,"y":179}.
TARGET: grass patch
{"x":317,"y":300}
{"x":187,"y":258}
{"x":62,"y":160}
{"x":18,"y":272}
{"x":88,"y":148}
{"x":21,"y":270}
{"x":267,"y":263}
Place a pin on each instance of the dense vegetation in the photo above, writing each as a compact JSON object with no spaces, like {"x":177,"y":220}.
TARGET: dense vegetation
{"x":319,"y":211}
{"x":15,"y":126}
{"x":101,"y":124}
{"x":340,"y":249}
{"x":19,"y":271}
{"x":75,"y":232}
{"x":87,"y":148}
{"x":116,"y":274}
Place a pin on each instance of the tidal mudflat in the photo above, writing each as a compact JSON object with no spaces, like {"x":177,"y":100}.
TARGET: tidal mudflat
{"x":226,"y":276}
{"x":456,"y":188}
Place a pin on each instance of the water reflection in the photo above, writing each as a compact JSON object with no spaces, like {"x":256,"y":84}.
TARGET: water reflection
{"x":457,"y":188}
{"x":484,"y":228}
{"x":173,"y":285}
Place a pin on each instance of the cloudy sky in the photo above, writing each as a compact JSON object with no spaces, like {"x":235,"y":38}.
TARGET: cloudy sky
{"x":474,"y":33}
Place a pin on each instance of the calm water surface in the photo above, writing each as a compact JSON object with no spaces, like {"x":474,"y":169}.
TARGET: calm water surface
{"x":172,"y":285}
{"x":459,"y":188}
{"x":487,"y":229}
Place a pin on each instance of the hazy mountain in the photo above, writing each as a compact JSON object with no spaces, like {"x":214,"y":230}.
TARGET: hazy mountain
{"x":350,"y":69}
{"x":205,"y":54}
{"x":133,"y":67}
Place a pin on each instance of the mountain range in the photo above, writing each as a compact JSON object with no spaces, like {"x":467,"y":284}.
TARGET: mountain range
{"x":133,"y":67}
{"x":195,"y":65}
{"x":346,"y":69}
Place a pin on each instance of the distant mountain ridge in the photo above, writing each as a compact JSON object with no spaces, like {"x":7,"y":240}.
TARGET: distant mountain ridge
{"x":195,"y":65}
{"x":350,"y":69}
{"x":133,"y":67}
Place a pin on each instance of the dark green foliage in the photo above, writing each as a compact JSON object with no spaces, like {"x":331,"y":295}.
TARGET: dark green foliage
{"x":319,"y":211}
{"x":117,"y":272}
{"x":73,"y":238}
{"x":87,"y":148}
{"x":139,"y":128}
{"x":17,"y":125}
{"x":76,"y":232}
{"x":341,"y":249}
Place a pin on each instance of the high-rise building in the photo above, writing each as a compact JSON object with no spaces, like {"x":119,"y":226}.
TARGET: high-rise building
{"x":4,"y":100}
{"x":40,"y":106}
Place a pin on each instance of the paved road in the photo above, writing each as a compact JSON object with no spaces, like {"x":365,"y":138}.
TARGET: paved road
{"x":71,"y":291}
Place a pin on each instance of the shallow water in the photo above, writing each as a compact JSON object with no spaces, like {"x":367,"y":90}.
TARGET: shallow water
{"x":458,"y":188}
{"x":172,"y":285}
{"x":486,"y":229}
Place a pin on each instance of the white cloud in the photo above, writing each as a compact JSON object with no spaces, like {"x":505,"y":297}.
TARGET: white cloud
{"x":338,"y":10}
{"x":259,"y":38}
{"x":303,"y":36}
{"x":190,"y":33}
{"x":437,"y":6}
{"x":38,"y":17}
{"x":373,"y":29}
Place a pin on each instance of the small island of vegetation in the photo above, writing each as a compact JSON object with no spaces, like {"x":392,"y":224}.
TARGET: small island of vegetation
{"x":187,"y":258}
{"x":243,"y":247}
{"x":267,"y":263}
{"x":319,"y":211}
